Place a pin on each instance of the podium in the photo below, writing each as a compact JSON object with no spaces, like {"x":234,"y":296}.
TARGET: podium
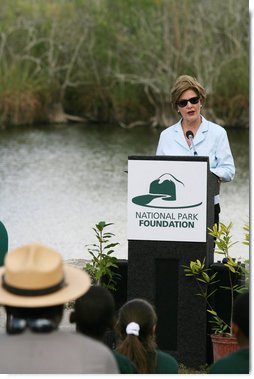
{"x":170,"y":207}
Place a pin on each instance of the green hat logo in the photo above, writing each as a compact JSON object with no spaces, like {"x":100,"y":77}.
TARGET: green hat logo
{"x":164,"y":187}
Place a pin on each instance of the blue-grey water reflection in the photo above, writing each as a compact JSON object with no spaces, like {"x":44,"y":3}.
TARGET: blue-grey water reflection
{"x":57,"y":182}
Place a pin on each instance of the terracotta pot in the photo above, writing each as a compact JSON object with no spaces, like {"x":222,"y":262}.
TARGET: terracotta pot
{"x":223,"y":345}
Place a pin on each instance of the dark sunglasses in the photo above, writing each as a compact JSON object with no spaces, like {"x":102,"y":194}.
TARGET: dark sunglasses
{"x":18,"y":325}
{"x":183,"y":103}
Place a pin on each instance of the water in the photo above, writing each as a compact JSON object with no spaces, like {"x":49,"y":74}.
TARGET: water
{"x":57,"y":182}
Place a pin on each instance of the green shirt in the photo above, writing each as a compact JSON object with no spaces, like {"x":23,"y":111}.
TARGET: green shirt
{"x":3,"y":243}
{"x":125,"y":365}
{"x":234,"y":363}
{"x":166,"y":364}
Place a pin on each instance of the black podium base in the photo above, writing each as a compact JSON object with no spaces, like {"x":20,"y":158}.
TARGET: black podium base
{"x":155,"y":272}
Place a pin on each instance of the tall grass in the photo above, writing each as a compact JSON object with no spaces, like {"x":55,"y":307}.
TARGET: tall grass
{"x":115,"y":61}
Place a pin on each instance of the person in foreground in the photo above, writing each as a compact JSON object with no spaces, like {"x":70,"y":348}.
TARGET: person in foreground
{"x":209,"y":139}
{"x":35,"y":285}
{"x":94,"y":314}
{"x":135,"y":327}
{"x":238,"y":361}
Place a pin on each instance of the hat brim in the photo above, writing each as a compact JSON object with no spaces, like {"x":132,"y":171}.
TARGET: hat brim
{"x":146,"y":199}
{"x":77,"y":283}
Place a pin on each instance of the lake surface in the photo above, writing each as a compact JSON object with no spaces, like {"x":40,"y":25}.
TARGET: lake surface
{"x":58,"y":181}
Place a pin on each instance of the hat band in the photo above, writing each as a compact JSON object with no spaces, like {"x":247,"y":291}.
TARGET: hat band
{"x":32,"y":292}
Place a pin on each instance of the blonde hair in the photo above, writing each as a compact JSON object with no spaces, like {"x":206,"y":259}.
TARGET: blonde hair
{"x":184,"y":83}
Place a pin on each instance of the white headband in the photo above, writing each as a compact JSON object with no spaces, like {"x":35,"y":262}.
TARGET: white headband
{"x":133,"y":328}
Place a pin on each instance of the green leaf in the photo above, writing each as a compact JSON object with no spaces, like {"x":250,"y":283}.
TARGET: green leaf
{"x":206,"y":277}
{"x":231,"y":268}
{"x":202,"y":280}
{"x":212,"y":312}
{"x":111,"y":245}
{"x":210,"y":294}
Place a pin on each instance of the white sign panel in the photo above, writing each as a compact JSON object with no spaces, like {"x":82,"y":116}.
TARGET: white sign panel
{"x":167,"y":200}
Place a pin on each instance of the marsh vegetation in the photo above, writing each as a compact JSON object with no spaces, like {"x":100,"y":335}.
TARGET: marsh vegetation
{"x":114,"y":61}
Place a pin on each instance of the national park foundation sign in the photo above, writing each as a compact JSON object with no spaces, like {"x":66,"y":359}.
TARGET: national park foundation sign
{"x":167,"y":200}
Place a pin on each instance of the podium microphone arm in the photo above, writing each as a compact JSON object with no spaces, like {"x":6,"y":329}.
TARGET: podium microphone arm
{"x":190,"y":136}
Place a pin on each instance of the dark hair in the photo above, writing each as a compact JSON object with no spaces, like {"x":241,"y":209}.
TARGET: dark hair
{"x":139,"y":349}
{"x":51,"y":312}
{"x":241,"y":313}
{"x":94,"y":312}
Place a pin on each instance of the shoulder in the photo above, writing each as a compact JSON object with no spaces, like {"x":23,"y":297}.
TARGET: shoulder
{"x":80,"y":342}
{"x":171,"y":129}
{"x":234,"y":363}
{"x":77,"y":353}
{"x":81,"y":339}
{"x":162,"y":355}
{"x":86,"y":349}
{"x":125,"y":365}
{"x":166,"y":364}
{"x":212,"y":126}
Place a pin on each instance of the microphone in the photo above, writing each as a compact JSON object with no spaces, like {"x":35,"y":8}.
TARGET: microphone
{"x":190,"y":136}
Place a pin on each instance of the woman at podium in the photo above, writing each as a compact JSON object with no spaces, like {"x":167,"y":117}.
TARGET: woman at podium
{"x":194,"y":135}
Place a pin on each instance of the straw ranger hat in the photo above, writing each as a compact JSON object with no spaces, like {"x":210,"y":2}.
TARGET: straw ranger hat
{"x":35,"y":275}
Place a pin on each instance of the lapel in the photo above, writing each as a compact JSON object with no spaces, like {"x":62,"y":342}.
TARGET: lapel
{"x":179,"y":137}
{"x":199,"y":137}
{"x":201,"y":133}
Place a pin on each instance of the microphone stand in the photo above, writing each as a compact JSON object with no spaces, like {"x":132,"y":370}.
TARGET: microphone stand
{"x":190,"y":136}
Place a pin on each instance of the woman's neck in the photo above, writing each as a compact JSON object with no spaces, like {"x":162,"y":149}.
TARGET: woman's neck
{"x":191,"y":125}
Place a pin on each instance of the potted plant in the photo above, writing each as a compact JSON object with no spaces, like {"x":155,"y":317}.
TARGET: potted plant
{"x":102,"y":267}
{"x":208,"y":283}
